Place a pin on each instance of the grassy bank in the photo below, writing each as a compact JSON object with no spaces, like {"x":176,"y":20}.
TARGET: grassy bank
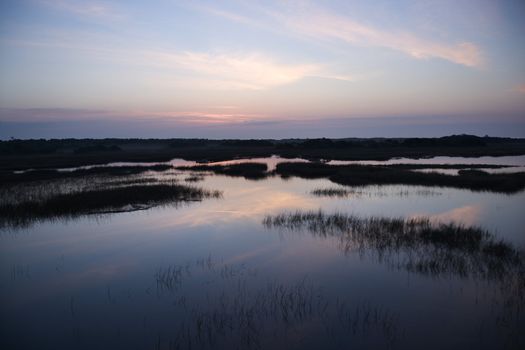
{"x":70,"y":205}
{"x":361,"y":175}
{"x":7,"y":177}
{"x":248,"y":170}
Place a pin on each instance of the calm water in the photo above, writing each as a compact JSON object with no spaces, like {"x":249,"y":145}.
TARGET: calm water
{"x":210,"y":275}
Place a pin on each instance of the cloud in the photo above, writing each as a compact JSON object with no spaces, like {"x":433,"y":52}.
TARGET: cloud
{"x":196,"y":117}
{"x":237,"y":71}
{"x":328,"y":26}
{"x":50,"y":114}
{"x":321,"y":24}
{"x":205,"y":117}
{"x":192,"y":69}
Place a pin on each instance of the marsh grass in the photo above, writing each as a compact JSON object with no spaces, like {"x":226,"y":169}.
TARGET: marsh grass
{"x":248,"y":170}
{"x":197,"y":177}
{"x":99,"y":201}
{"x":241,"y":316}
{"x":449,"y":166}
{"x":169,"y":278}
{"x":239,"y":312}
{"x":369,"y":191}
{"x":417,"y":244}
{"x":362,"y":175}
{"x":272,"y":316}
{"x":334,"y":192}
{"x":53,"y":174}
{"x":422,"y":246}
{"x":40,"y":190}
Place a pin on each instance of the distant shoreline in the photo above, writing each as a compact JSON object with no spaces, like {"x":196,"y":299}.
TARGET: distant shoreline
{"x":57,"y":153}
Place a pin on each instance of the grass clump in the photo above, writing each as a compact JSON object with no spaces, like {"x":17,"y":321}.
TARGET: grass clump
{"x":362,"y":175}
{"x":53,"y":174}
{"x":99,"y":201}
{"x":371,"y":191}
{"x":332,"y":192}
{"x":194,"y":178}
{"x":248,"y":170}
{"x":416,"y":244}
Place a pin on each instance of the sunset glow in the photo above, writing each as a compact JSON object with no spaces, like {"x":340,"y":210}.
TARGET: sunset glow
{"x":179,"y":63}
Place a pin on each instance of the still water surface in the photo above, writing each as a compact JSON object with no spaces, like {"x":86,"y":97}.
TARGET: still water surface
{"x":210,"y":275}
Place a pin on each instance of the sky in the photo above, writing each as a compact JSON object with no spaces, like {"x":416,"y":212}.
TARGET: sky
{"x":261,"y":69}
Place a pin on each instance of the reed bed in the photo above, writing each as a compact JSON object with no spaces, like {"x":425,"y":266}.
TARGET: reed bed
{"x":371,"y":191}
{"x":416,"y":244}
{"x":99,"y":201}
{"x":240,"y":315}
{"x":7,"y":177}
{"x":194,"y":178}
{"x":244,"y":317}
{"x":248,"y":170}
{"x":362,"y":175}
{"x":425,"y":247}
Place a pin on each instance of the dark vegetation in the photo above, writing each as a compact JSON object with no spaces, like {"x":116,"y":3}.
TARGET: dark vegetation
{"x":248,"y":170}
{"x":97,"y":148}
{"x":70,"y":205}
{"x":448,"y":166}
{"x":332,"y":192}
{"x":24,"y":154}
{"x":339,"y":192}
{"x":417,"y":245}
{"x":422,"y":246}
{"x":242,"y":317}
{"x":361,"y":175}
{"x":48,"y":174}
{"x":194,"y":178}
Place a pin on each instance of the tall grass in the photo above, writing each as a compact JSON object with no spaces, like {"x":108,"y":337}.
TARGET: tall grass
{"x":99,"y":201}
{"x":416,"y":244}
{"x":340,"y":192}
{"x":422,"y":246}
{"x":361,"y":175}
{"x":248,"y":170}
{"x":7,"y":177}
{"x":241,"y":316}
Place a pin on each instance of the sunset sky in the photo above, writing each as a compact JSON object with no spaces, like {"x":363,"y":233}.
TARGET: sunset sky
{"x":261,"y":69}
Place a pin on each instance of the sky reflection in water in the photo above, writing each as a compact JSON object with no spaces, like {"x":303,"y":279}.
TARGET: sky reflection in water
{"x":105,"y":282}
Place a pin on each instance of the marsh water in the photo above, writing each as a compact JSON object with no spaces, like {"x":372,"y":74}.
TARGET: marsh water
{"x":210,"y":274}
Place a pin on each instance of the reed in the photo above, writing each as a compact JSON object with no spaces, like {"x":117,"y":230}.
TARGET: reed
{"x":415,"y":244}
{"x":248,"y":170}
{"x":101,"y":201}
{"x":362,"y":175}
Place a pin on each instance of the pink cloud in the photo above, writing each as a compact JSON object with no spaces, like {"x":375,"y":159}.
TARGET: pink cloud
{"x":329,"y":26}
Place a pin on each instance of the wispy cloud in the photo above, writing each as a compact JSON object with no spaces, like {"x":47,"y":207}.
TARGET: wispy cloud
{"x":328,"y":26}
{"x":196,"y":117}
{"x":324,"y":25}
{"x":239,"y":71}
{"x":204,"y":117}
{"x":207,"y":70}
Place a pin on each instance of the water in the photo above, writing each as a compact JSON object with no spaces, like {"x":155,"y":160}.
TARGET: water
{"x":210,"y":275}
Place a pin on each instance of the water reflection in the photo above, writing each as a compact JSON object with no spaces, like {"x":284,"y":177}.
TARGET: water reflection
{"x":518,"y":162}
{"x":416,"y":244}
{"x":424,"y":247}
{"x":272,"y":316}
{"x":209,"y":275}
{"x":468,"y":215}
